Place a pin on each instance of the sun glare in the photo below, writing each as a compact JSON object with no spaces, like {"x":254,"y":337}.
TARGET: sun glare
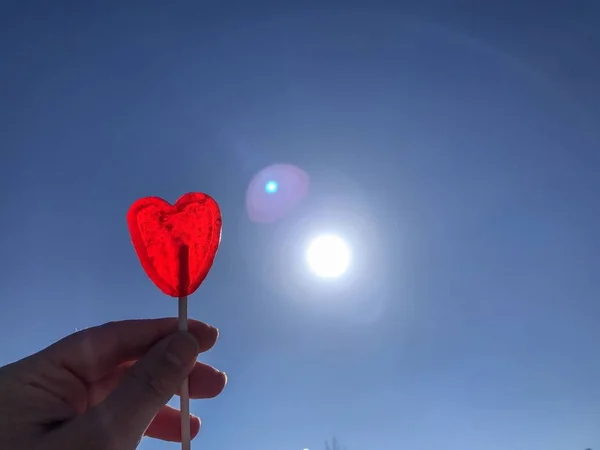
{"x":328,"y":256}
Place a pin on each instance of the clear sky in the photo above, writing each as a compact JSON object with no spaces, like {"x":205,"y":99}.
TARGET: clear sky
{"x":457,"y":143}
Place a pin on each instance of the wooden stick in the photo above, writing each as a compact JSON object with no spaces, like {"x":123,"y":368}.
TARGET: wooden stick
{"x":184,"y":396}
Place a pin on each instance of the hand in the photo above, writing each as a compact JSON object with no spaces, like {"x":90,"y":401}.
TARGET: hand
{"x":105,"y":387}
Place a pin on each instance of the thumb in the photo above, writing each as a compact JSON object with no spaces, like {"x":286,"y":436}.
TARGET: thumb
{"x":145,"y":389}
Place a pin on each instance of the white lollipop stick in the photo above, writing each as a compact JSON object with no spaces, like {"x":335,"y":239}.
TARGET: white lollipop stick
{"x":184,"y":395}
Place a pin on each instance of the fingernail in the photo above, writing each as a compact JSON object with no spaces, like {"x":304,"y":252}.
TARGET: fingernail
{"x":182,"y":349}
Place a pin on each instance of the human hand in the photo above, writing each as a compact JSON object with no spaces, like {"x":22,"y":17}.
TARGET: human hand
{"x":105,"y":387}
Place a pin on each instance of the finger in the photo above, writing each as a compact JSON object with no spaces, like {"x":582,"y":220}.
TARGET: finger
{"x":146,"y":388}
{"x":204,"y":381}
{"x":166,"y":426}
{"x":93,"y":353}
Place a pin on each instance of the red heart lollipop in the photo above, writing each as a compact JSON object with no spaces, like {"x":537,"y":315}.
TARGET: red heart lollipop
{"x":176,"y":244}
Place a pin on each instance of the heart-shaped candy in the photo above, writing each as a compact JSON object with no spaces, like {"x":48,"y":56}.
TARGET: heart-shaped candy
{"x":176,"y":244}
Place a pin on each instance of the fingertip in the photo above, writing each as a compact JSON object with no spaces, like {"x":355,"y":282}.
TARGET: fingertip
{"x":166,"y":425}
{"x":206,"y":382}
{"x":205,"y":334}
{"x":195,"y":424}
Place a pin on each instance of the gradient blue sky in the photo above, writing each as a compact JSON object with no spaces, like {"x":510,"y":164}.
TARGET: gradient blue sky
{"x":455,"y":143}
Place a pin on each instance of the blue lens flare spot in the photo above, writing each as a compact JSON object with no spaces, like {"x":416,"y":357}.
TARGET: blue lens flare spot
{"x":271,"y":187}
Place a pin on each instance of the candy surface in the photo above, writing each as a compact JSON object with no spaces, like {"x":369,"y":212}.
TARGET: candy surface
{"x":176,"y":244}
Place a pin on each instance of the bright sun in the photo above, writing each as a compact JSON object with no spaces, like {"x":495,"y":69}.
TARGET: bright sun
{"x":328,"y":256}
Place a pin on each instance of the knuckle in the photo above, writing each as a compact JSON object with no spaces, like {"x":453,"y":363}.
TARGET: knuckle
{"x":148,"y":383}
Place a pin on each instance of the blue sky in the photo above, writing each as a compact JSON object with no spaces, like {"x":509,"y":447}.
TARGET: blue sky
{"x":457,"y":146}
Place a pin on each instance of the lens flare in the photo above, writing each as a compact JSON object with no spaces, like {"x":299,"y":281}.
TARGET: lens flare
{"x":275,"y":191}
